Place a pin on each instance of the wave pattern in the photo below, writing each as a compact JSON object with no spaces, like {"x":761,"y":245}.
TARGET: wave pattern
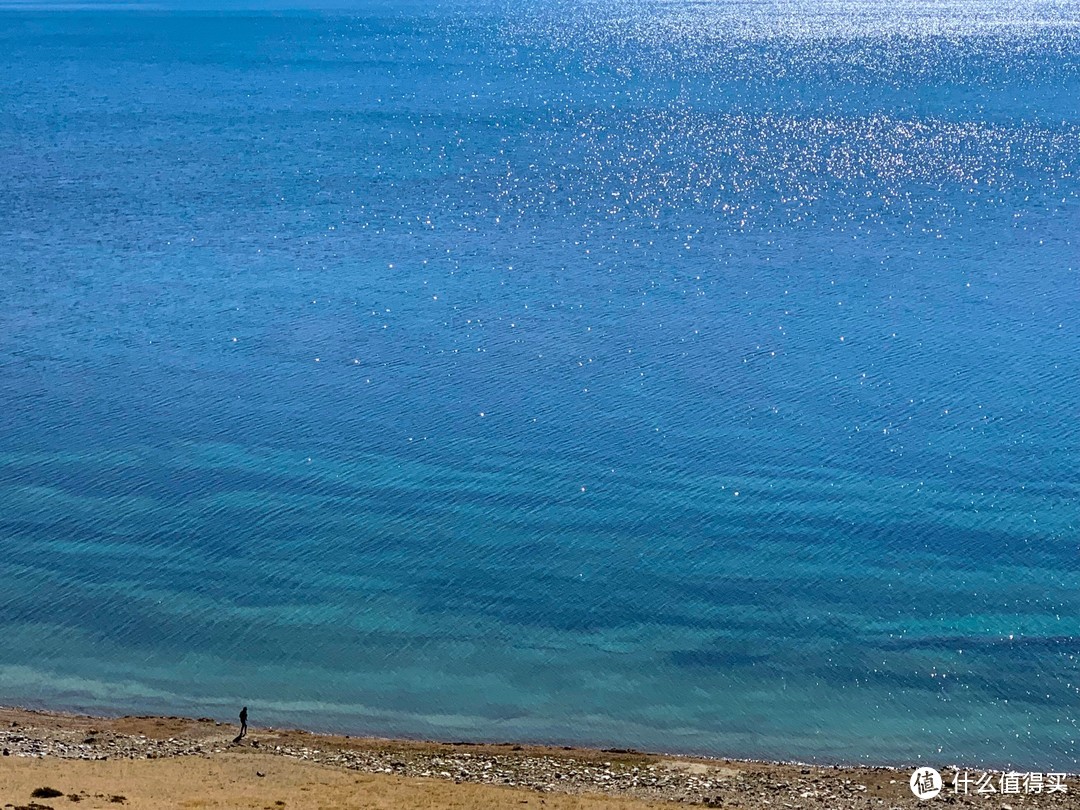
{"x":686,"y":376}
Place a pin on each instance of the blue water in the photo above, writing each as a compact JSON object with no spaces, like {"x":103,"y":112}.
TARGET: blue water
{"x":696,"y":377}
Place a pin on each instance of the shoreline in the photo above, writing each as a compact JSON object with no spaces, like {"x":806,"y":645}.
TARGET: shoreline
{"x":136,"y":752}
{"x":108,"y":714}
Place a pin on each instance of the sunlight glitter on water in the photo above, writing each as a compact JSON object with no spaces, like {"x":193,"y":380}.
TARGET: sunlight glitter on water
{"x":690,"y":376}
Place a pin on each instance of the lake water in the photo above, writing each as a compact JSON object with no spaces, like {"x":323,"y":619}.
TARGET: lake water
{"x":690,"y":376}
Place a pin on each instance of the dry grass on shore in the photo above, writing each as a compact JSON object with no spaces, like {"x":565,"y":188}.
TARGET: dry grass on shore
{"x":232,"y":781}
{"x":177,"y":762}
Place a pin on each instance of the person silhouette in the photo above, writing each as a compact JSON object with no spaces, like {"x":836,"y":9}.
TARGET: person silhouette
{"x":243,"y":723}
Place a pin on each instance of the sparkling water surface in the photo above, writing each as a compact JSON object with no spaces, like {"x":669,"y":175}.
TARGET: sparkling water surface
{"x":691,"y":376}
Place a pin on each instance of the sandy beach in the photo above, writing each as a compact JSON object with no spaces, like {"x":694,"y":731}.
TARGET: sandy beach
{"x":61,"y":760}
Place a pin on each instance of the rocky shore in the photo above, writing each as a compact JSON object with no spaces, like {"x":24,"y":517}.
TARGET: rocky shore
{"x":543,"y":770}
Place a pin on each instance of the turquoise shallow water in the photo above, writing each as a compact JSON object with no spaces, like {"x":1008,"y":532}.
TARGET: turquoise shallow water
{"x":695,"y":377}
